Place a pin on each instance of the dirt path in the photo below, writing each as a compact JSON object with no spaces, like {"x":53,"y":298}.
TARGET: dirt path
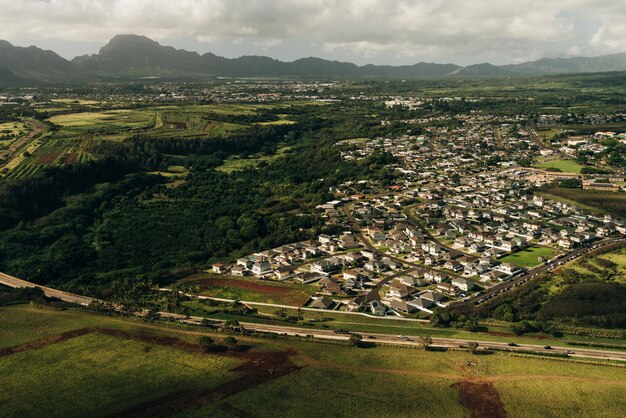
{"x":44,"y":342}
{"x":256,"y":368}
{"x":259,"y":368}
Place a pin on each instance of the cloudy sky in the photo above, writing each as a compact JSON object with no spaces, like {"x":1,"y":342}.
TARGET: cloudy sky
{"x":362,"y":31}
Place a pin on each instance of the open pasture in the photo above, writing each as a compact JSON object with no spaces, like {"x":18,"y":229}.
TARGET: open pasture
{"x":104,"y":120}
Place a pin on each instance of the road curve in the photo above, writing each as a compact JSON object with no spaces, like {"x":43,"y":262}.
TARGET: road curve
{"x":14,"y":282}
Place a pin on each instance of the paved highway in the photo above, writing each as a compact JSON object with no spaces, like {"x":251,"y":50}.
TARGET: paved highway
{"x":11,"y":281}
{"x":438,"y":342}
{"x":325,"y":334}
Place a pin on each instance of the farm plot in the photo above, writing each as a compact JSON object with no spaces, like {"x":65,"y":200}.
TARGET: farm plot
{"x":190,"y":125}
{"x":105,"y":121}
{"x":12,"y":130}
{"x":252,"y":290}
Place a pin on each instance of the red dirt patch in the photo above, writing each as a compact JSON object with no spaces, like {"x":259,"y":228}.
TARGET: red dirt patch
{"x":247,"y":285}
{"x":260,"y":367}
{"x":46,"y":341}
{"x":71,"y":158}
{"x":48,"y":159}
{"x":481,"y":398}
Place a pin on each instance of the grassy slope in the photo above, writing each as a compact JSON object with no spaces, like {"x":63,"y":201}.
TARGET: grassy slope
{"x":327,"y":392}
{"x":97,"y":374}
{"x":100,"y":373}
{"x":250,"y":289}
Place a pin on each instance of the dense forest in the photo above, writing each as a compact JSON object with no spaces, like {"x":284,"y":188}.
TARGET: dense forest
{"x":85,"y":226}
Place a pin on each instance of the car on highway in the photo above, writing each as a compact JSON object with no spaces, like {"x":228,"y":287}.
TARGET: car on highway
{"x":513,"y":345}
{"x":569,"y":352}
{"x":403,"y":337}
{"x":342,"y":331}
{"x":547,"y":347}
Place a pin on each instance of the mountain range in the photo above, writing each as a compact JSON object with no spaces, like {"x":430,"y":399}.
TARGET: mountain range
{"x":132,"y":56}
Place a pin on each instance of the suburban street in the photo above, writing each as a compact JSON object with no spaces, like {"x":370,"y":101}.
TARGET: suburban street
{"x":375,"y":292}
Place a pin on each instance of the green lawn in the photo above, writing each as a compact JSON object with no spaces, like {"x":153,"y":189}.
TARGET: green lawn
{"x":566,"y":166}
{"x":529,"y":257}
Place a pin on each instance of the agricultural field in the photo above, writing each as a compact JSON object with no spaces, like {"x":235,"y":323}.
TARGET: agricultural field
{"x":67,"y":101}
{"x":105,"y":120}
{"x":566,"y":166}
{"x":529,"y":257}
{"x":598,"y":201}
{"x":10,"y":130}
{"x":50,"y":151}
{"x":236,"y":164}
{"x":191,"y":125}
{"x":282,"y":120}
{"x":122,"y":366}
{"x":220,"y":109}
{"x":249,"y":289}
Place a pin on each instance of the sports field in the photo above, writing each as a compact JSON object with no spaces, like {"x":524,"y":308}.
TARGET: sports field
{"x":566,"y":166}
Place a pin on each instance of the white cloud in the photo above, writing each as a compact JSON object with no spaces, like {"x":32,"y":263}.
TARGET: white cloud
{"x":504,"y":30}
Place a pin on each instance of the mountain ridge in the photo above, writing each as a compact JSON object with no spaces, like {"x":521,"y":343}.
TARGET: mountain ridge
{"x":139,"y":56}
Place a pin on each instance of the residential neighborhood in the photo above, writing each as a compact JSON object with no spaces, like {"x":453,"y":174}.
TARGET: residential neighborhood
{"x":465,"y":217}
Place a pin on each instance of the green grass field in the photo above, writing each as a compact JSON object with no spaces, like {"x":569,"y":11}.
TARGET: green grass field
{"x":101,"y":374}
{"x":235,"y":164}
{"x":529,"y":257}
{"x":111,"y":119}
{"x":327,"y":392}
{"x":566,"y":166}
{"x":598,"y":201}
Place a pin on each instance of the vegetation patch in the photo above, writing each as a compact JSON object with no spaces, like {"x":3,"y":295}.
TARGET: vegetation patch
{"x":611,"y":202}
{"x":530,"y":257}
{"x":252,"y":290}
{"x":566,"y":166}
